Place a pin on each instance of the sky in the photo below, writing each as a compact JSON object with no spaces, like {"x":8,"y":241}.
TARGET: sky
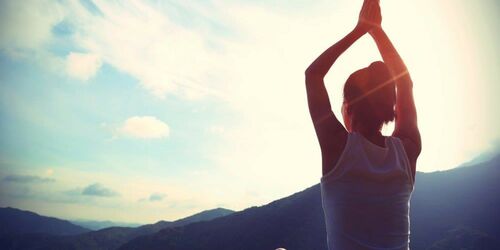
{"x":139,"y":111}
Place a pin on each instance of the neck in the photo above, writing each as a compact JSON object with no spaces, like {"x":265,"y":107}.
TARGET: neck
{"x":367,"y":132}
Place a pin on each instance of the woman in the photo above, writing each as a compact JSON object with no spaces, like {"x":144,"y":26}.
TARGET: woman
{"x":367,"y":178}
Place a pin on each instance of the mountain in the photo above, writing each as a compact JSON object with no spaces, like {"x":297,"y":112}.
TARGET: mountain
{"x":108,"y":238}
{"x":202,"y":216}
{"x":16,"y":221}
{"x":465,"y":239}
{"x":448,"y":208}
{"x":97,"y":225}
{"x":465,"y":196}
{"x":294,"y":222}
{"x":454,"y":209}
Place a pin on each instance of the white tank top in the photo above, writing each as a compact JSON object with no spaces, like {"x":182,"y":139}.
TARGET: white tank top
{"x":366,"y":196}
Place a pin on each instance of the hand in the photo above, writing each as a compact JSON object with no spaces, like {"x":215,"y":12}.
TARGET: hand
{"x":370,"y":16}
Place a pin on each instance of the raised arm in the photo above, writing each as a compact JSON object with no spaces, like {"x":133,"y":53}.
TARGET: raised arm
{"x":330,"y":132}
{"x":406,"y":127}
{"x":319,"y":104}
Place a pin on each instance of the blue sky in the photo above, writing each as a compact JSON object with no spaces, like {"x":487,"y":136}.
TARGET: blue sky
{"x":145,"y":110}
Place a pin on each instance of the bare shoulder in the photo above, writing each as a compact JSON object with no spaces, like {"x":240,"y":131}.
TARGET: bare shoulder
{"x":411,"y":141}
{"x":413,"y":146}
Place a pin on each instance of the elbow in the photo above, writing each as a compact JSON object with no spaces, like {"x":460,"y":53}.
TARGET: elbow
{"x":314,"y":73}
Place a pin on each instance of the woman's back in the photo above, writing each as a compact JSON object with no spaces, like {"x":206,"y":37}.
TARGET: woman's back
{"x":366,"y":188}
{"x":366,"y":196}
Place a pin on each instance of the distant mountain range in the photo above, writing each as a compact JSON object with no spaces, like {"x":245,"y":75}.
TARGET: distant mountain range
{"x":16,"y":221}
{"x":450,"y":210}
{"x":108,"y":238}
{"x":97,"y":225}
{"x":462,"y":198}
{"x":202,"y":216}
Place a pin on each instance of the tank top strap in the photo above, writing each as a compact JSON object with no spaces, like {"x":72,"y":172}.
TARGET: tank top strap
{"x":403,"y":157}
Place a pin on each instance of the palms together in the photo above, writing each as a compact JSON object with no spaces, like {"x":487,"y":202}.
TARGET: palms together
{"x":370,"y":16}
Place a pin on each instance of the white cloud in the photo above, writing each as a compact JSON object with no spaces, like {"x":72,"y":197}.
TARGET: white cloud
{"x":26,"y":31}
{"x":142,"y":41}
{"x":144,"y":127}
{"x":82,"y":66}
{"x":26,"y":25}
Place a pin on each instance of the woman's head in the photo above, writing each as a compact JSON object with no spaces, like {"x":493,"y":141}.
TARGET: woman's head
{"x":369,"y":98}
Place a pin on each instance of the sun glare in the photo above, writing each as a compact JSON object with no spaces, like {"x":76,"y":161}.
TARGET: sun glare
{"x":441,"y":51}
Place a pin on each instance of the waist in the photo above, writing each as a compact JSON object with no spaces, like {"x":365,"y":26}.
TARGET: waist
{"x":367,"y":215}
{"x":341,"y":241}
{"x":357,"y":229}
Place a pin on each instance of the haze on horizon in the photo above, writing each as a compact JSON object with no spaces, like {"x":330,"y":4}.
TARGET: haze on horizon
{"x":139,"y":111}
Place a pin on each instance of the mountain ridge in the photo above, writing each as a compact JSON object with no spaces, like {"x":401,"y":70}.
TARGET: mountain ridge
{"x":442,"y":202}
{"x":17,"y":221}
{"x":107,"y":238}
{"x":98,"y":225}
{"x":447,"y":207}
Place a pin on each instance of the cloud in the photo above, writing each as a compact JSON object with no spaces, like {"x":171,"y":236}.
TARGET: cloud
{"x":97,"y":189}
{"x":139,"y":39}
{"x":27,"y":179}
{"x":26,"y":25}
{"x":26,"y":31}
{"x":145,"y":127}
{"x":156,"y":197}
{"x":82,"y":66}
{"x":144,"y":40}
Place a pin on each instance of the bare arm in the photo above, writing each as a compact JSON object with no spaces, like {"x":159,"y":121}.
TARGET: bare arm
{"x":369,"y":18}
{"x":331,"y":134}
{"x":319,"y":104}
{"x":406,"y":127}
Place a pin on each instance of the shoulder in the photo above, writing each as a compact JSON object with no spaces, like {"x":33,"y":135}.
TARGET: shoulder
{"x":333,"y":149}
{"x":412,"y":151}
{"x":411,"y":140}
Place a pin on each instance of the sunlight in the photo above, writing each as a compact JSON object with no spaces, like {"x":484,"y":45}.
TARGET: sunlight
{"x":449,"y":85}
{"x":189,"y":98}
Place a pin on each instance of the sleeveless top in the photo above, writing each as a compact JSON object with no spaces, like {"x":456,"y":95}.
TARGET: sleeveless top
{"x":366,"y":196}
